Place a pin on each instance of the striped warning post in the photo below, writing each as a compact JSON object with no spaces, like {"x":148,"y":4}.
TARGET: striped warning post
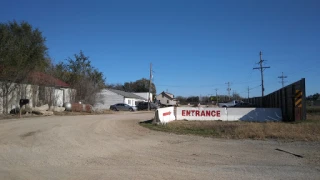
{"x":298,"y":98}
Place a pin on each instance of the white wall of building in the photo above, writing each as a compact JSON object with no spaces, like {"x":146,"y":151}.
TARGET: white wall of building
{"x":58,"y":97}
{"x":164,"y":100}
{"x":145,"y":95}
{"x":106,"y":98}
{"x":66,"y":95}
{"x":31,"y":92}
{"x":132,"y":101}
{"x":22,"y":91}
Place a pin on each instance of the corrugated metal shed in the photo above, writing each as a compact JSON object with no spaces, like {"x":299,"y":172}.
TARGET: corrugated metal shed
{"x":126,"y":94}
{"x":108,"y":97}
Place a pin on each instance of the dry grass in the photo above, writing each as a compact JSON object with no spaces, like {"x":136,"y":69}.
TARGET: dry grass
{"x":313,"y":110}
{"x":299,"y":131}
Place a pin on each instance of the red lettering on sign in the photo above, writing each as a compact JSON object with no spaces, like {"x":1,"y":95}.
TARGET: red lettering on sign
{"x":207,"y":113}
{"x":213,"y":113}
{"x":192,"y":112}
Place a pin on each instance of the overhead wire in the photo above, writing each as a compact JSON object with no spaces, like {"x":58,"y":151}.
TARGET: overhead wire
{"x":206,"y":85}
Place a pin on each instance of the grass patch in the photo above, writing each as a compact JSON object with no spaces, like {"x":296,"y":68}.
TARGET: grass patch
{"x":299,"y":131}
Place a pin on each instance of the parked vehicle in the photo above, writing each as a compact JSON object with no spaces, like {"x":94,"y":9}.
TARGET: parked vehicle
{"x":244,"y":104}
{"x":122,"y":107}
{"x":144,"y":106}
{"x":229,"y":104}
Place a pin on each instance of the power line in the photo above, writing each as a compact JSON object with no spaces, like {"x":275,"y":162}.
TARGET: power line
{"x":261,"y":68}
{"x":282,"y":77}
{"x":255,"y":87}
{"x":248,"y":89}
{"x":250,"y":75}
{"x":203,"y":85}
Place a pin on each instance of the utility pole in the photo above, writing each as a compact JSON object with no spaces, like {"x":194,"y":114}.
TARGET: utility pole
{"x":248,"y":92}
{"x":217,"y":95}
{"x":229,"y":89}
{"x":150,"y":83}
{"x":282,"y":77}
{"x":261,"y":68}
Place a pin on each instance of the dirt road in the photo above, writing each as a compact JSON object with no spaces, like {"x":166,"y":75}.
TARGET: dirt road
{"x":115,"y":147}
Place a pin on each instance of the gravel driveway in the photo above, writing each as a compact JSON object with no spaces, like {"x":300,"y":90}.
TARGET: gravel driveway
{"x":114,"y":146}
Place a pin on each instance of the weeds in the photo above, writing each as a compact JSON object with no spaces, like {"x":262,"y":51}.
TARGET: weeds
{"x":313,"y":110}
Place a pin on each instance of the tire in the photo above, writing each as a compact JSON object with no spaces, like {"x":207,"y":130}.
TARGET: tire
{"x":131,"y":110}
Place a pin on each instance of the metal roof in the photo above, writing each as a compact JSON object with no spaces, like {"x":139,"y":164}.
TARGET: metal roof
{"x":126,"y":94}
{"x":40,"y":78}
{"x":36,"y":78}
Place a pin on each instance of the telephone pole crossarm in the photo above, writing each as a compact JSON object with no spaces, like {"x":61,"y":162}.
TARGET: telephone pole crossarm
{"x":282,"y":77}
{"x":261,"y":68}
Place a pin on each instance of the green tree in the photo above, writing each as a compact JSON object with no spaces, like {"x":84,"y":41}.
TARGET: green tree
{"x":213,"y":98}
{"x":117,"y":86}
{"x":182,"y":100}
{"x":313,"y":97}
{"x":141,"y":85}
{"x":22,"y":50}
{"x":193,"y":99}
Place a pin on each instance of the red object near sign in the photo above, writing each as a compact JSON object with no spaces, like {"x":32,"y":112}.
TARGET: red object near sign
{"x":81,"y":107}
{"x":166,"y":113}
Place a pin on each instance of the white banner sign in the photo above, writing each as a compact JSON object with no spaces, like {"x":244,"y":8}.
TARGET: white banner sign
{"x":165,"y":115}
{"x":255,"y":114}
{"x":229,"y":114}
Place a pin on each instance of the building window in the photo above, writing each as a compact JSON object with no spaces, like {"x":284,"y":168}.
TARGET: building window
{"x":129,"y":102}
{"x":168,"y":101}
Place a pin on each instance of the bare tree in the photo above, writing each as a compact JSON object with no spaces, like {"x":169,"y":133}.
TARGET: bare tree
{"x":82,"y":77}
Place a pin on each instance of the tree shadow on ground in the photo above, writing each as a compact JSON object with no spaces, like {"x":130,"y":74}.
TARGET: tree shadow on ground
{"x":146,"y":121}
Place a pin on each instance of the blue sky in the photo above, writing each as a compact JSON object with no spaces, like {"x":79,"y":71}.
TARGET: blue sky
{"x":195,"y":46}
